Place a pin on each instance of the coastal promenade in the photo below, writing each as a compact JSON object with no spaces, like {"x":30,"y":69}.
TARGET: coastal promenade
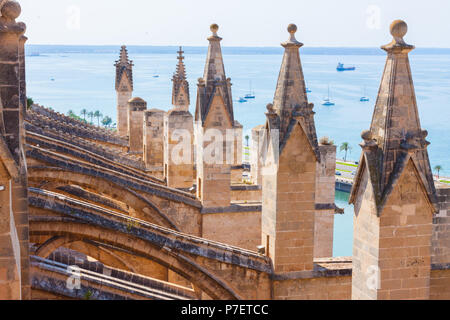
{"x":346,"y":171}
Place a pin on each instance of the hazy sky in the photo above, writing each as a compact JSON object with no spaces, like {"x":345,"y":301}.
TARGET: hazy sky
{"x":361,"y":23}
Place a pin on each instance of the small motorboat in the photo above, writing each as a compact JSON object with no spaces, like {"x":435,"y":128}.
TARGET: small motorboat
{"x":308,"y":90}
{"x":327,"y":102}
{"x":242,"y":100}
{"x":340,"y":67}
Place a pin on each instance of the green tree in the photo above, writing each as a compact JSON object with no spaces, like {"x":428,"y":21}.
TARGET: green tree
{"x":98,"y":115}
{"x":345,"y":146}
{"x":84,"y":113}
{"x":30,"y":102}
{"x":106,"y":121}
{"x":70,"y":114}
{"x":91,"y":115}
{"x":438,"y":168}
{"x":247,"y":138}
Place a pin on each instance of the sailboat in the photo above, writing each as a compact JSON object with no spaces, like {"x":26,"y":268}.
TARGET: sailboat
{"x":327,"y":101}
{"x":242,"y":100}
{"x":156,"y":75}
{"x":251,"y":94}
{"x":364,"y":98}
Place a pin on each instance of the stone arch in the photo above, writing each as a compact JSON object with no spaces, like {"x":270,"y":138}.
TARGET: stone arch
{"x":59,"y":177}
{"x":183,"y":265}
{"x":55,"y":242}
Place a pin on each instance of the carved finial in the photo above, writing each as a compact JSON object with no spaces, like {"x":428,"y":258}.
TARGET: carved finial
{"x":366,"y":135}
{"x":369,"y":142}
{"x":292,"y":29}
{"x":180,"y":53}
{"x":398,"y":30}
{"x":214,"y":28}
{"x":201,"y":82}
{"x":11,"y":11}
{"x":270,"y":108}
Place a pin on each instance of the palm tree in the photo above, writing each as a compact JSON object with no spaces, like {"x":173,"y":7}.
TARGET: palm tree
{"x":70,"y":113}
{"x":438,"y":168}
{"x":345,"y":146}
{"x":30,"y":102}
{"x":106,"y":121}
{"x":91,"y":115}
{"x":246,"y":139}
{"x":98,"y":115}
{"x":84,"y":113}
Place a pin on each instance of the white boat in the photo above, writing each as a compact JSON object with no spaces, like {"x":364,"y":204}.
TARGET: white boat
{"x":327,"y":101}
{"x":364,"y":98}
{"x":251,"y":94}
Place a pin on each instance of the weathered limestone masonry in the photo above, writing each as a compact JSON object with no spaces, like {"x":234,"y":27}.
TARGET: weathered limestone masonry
{"x":255,"y":154}
{"x":325,"y":207}
{"x":393,"y":192}
{"x":237,"y":169}
{"x":213,"y":116}
{"x":179,"y":127}
{"x":124,"y":89}
{"x":289,"y":180}
{"x":14,"y":256}
{"x":441,"y":228}
{"x":154,"y":142}
{"x":136,"y":110}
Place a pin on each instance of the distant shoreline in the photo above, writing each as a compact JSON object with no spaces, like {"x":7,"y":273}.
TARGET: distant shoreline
{"x":73,"y":49}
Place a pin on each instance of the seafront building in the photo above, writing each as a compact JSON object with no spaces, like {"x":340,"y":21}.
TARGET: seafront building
{"x":159,"y":209}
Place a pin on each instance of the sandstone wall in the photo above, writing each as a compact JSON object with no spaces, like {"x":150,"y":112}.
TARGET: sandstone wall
{"x":240,"y":229}
{"x":325,"y":196}
{"x":441,"y":228}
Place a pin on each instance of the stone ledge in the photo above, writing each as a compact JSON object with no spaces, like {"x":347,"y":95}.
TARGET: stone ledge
{"x":440,"y":266}
{"x":234,"y":208}
{"x":245,"y":187}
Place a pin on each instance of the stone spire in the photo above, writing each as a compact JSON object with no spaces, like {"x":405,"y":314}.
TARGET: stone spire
{"x":124,"y":89}
{"x":214,"y":81}
{"x":124,"y":66}
{"x":180,"y":90}
{"x":290,"y":101}
{"x":395,"y":135}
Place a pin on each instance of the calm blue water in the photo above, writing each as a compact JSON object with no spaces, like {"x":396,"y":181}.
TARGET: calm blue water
{"x":86,"y":80}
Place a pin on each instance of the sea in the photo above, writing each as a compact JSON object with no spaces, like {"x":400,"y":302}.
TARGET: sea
{"x":82,"y":77}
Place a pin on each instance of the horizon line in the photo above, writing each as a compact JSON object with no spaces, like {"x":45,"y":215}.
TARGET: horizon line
{"x":205,"y":46}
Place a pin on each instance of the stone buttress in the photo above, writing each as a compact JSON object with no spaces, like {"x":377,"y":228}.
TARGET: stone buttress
{"x":289,"y":173}
{"x":136,"y":110}
{"x":179,"y":133}
{"x":214,"y":125}
{"x":14,"y":226}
